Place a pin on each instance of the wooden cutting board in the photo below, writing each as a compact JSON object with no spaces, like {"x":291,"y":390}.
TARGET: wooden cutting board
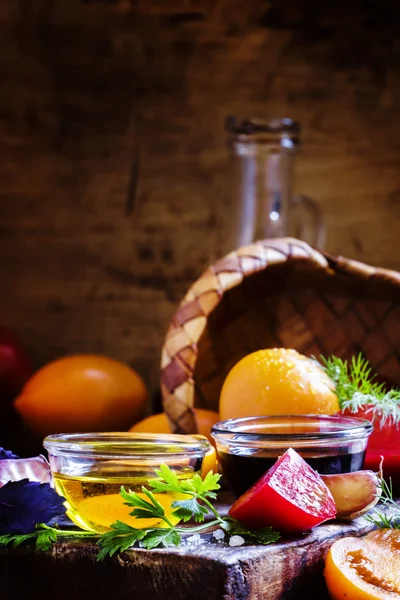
{"x":287,"y":570}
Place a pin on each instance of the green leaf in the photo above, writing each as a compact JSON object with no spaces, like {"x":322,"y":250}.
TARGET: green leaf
{"x":44,"y":536}
{"x":161,"y":537}
{"x":157,"y":506}
{"x":123,"y":536}
{"x":20,"y":539}
{"x":168,"y":475}
{"x":116,"y":545}
{"x":132,"y":499}
{"x":187,"y":509}
{"x":44,"y":540}
{"x":141,"y":513}
{"x":161,"y":487}
{"x":206,"y":486}
{"x":168,"y":482}
{"x":171,"y":483}
{"x":122,"y":528}
{"x":15,"y":539}
{"x":264,"y":536}
{"x":119,"y":539}
{"x":143,"y":509}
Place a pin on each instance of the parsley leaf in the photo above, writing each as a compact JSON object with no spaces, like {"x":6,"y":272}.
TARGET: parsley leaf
{"x":123,"y":536}
{"x":188,"y":509}
{"x":265,"y":536}
{"x":143,"y":509}
{"x":43,"y":536}
{"x":168,"y":481}
{"x":46,"y":538}
{"x":16,"y":539}
{"x":120,"y":538}
{"x":204,"y":487}
{"x":161,"y":537}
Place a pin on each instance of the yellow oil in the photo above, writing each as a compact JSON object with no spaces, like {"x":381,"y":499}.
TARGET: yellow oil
{"x":93,"y":501}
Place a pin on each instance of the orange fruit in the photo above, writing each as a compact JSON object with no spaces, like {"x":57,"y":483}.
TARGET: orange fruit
{"x":365,"y":568}
{"x":276,"y":381}
{"x":159,"y":423}
{"x":82,"y":393}
{"x":209,"y":462}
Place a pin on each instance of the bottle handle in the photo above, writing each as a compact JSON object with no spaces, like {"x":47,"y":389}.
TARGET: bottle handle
{"x":318,"y":229}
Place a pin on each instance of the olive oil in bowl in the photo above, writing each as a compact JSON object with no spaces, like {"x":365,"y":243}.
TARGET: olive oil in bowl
{"x":93,"y":501}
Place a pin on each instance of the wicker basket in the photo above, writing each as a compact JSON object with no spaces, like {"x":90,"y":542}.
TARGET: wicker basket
{"x":276,"y":293}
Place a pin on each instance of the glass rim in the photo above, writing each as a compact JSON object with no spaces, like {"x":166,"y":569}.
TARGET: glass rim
{"x":125,"y":444}
{"x":257,"y":125}
{"x":236,"y":430}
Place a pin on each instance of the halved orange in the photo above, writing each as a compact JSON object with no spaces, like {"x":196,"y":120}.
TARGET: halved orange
{"x":365,"y":568}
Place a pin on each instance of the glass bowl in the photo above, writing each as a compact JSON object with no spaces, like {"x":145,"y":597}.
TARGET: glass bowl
{"x":248,"y":447}
{"x":89,"y":469}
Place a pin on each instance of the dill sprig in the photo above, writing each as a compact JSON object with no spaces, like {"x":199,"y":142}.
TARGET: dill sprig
{"x":357,"y":389}
{"x":389,"y":519}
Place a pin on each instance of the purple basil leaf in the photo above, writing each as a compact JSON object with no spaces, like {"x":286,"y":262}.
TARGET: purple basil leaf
{"x":25,"y":503}
{"x":6,"y":454}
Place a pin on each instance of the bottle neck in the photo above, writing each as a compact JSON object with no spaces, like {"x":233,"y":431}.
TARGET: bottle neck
{"x":262,"y":160}
{"x":262,"y":144}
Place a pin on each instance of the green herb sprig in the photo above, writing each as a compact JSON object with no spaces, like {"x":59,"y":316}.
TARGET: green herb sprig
{"x":357,"y":389}
{"x":44,"y":536}
{"x":389,"y":519}
{"x":195,"y":506}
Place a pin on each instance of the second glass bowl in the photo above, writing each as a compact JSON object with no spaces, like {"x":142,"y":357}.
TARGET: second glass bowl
{"x":248,"y":447}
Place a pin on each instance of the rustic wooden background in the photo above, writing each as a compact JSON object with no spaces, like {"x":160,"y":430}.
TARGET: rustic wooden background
{"x":113,"y":171}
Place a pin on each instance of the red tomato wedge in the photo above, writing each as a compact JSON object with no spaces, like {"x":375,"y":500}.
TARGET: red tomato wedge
{"x":291,"y":497}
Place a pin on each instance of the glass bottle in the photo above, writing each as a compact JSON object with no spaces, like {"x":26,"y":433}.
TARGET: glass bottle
{"x":262,"y":203}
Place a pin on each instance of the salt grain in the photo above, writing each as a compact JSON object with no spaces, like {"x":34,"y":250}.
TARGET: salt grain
{"x":219,"y":534}
{"x":236,"y":540}
{"x":194,"y":539}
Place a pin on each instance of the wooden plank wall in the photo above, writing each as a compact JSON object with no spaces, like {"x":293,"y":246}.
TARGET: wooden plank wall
{"x":113,"y":171}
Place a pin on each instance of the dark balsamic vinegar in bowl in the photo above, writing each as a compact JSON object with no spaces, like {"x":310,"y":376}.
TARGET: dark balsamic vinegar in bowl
{"x":242,"y":470}
{"x":248,"y":447}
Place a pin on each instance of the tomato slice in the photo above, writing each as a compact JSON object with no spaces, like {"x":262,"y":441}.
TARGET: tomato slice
{"x":365,"y":568}
{"x":290,"y":496}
